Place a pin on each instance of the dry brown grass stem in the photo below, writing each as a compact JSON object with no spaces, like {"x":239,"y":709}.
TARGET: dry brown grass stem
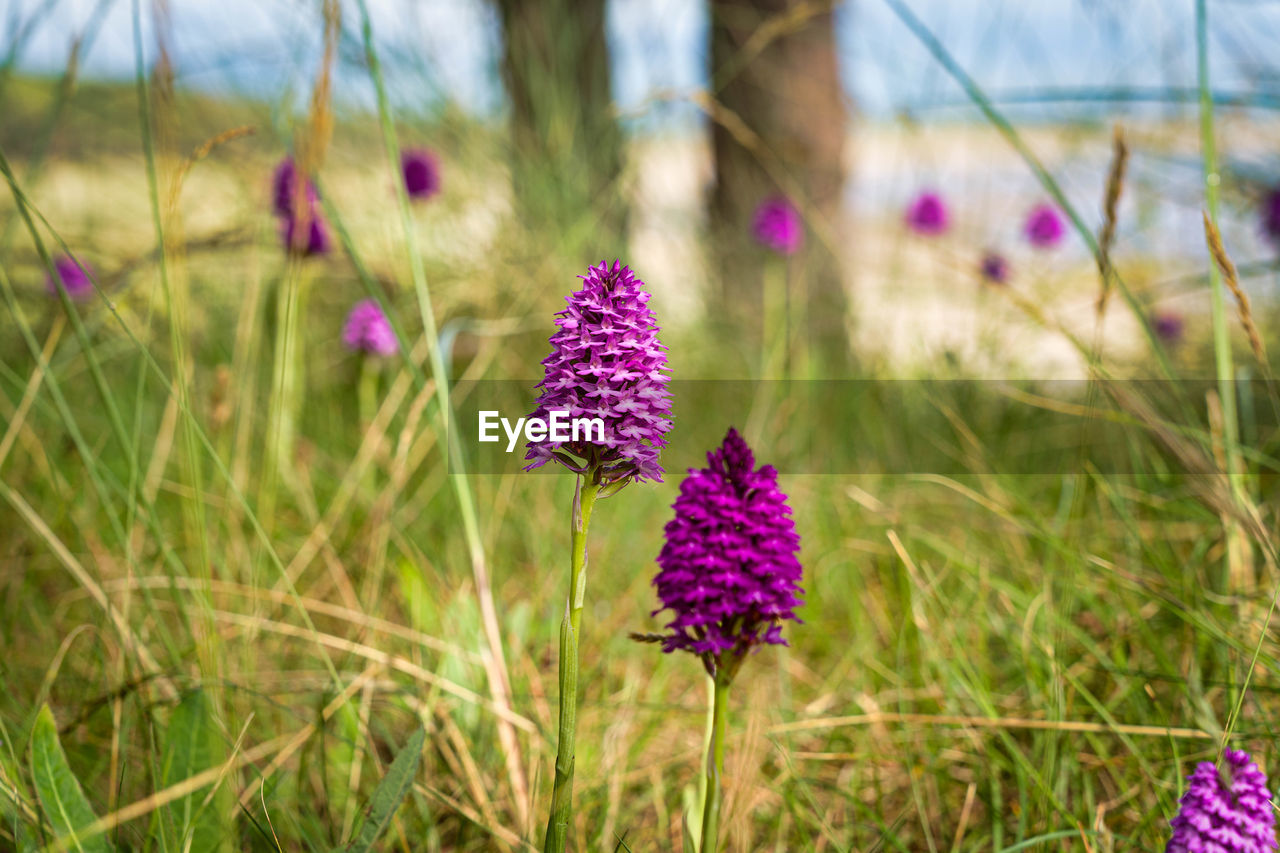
{"x":314,"y":605}
{"x":1111,"y":201}
{"x":202,"y":151}
{"x":399,"y":664}
{"x":1082,"y":726}
{"x":1219,"y":252}
{"x":128,"y":638}
{"x":19,"y":417}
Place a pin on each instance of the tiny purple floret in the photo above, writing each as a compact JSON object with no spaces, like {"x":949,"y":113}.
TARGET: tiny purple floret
{"x":1044,"y":228}
{"x":368,"y":330}
{"x":928,"y":215}
{"x":729,"y":570}
{"x":777,"y":226}
{"x":421,"y":171}
{"x":994,"y":268}
{"x":1225,"y":810}
{"x":71,"y":278}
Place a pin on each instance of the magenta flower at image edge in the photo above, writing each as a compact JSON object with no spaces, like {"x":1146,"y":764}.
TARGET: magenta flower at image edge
{"x":728,"y":570}
{"x":606,"y":362}
{"x":71,"y":278}
{"x":928,"y":215}
{"x":1270,"y":215}
{"x":368,"y":330}
{"x":421,"y":172}
{"x":1226,"y":810}
{"x":777,"y":225}
{"x":1044,"y":228}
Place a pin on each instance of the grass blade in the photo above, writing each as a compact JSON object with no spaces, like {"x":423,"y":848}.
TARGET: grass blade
{"x":64,"y":802}
{"x":390,"y":792}
{"x":193,"y":745}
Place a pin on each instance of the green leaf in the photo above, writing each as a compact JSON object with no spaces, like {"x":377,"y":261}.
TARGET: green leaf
{"x":691,"y":821}
{"x":688,"y":841}
{"x":391,"y":791}
{"x":193,"y":745}
{"x":60,"y":794}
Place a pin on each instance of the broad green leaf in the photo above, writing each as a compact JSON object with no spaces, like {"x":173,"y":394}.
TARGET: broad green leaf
{"x":193,"y":745}
{"x":391,"y":791}
{"x":60,"y":793}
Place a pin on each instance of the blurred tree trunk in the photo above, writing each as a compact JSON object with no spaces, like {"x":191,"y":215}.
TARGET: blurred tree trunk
{"x":779,"y":127}
{"x":566,"y":145}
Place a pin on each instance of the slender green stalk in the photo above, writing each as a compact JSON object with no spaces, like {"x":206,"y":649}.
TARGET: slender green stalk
{"x":1221,"y":336}
{"x":499,"y":682}
{"x":715,"y":766}
{"x":584,"y":500}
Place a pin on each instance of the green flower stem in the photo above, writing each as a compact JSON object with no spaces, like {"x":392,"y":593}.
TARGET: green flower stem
{"x":715,"y":765}
{"x":776,"y":350}
{"x":584,"y":500}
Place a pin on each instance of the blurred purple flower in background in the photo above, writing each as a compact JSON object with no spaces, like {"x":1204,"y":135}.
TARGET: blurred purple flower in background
{"x":315,"y":242}
{"x":928,"y":214}
{"x":777,"y":225}
{"x":368,"y":330}
{"x":729,"y":570}
{"x":71,"y":278}
{"x":291,"y":209}
{"x":1044,"y":228}
{"x":1271,"y":215}
{"x":1168,"y":326}
{"x":284,"y":184}
{"x":1225,"y":811}
{"x":606,"y":362}
{"x":421,"y":171}
{"x":994,"y":268}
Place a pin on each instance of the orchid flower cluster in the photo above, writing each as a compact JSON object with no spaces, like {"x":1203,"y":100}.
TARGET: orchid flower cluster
{"x":728,"y":571}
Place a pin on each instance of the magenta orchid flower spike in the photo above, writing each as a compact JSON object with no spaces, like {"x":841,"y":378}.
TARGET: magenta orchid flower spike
{"x":606,"y":362}
{"x":730,"y":574}
{"x":729,"y":571}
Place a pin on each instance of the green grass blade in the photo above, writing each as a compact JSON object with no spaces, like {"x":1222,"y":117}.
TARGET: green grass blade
{"x":390,"y":792}
{"x":64,"y":802}
{"x":193,"y":745}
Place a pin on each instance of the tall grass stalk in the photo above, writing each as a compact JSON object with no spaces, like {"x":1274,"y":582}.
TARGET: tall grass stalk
{"x":176,"y":305}
{"x":1237,"y":564}
{"x":499,"y":683}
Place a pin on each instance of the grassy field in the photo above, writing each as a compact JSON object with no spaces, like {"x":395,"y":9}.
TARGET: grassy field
{"x":1029,"y":609}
